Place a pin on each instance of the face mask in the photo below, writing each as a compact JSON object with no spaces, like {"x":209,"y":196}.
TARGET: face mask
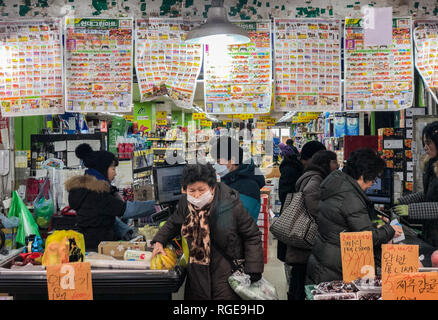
{"x":221,"y":169}
{"x":200,"y":202}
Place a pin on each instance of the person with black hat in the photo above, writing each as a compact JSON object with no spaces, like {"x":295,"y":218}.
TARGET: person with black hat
{"x":98,"y":205}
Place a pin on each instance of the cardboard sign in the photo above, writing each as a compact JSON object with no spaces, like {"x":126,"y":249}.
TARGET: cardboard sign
{"x":70,"y":281}
{"x":357,"y":255}
{"x":413,"y":286}
{"x":198,"y":116}
{"x":397,"y":259}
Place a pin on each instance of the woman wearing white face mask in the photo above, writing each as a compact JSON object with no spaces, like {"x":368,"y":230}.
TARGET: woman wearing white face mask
{"x":214,"y":222}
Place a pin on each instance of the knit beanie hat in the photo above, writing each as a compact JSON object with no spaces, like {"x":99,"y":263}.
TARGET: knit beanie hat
{"x":310,"y":148}
{"x":98,"y":160}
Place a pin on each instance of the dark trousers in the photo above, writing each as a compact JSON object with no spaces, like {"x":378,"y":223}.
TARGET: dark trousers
{"x":297,"y":282}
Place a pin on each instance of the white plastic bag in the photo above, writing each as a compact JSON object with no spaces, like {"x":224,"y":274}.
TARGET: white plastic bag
{"x":259,"y":290}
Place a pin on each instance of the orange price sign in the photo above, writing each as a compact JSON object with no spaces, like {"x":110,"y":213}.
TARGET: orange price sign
{"x":397,"y":259}
{"x":357,"y":255}
{"x":70,"y":281}
{"x":413,"y":286}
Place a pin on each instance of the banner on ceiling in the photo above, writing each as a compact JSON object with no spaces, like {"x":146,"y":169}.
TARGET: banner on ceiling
{"x":378,"y":78}
{"x":31,"y":69}
{"x":237,"y":78}
{"x":307,"y":65}
{"x":98,"y":58}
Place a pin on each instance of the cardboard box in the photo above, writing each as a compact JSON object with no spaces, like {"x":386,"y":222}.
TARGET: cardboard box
{"x":117,"y":249}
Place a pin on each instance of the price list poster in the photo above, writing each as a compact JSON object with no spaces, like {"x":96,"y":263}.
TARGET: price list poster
{"x":31,"y":70}
{"x":378,"y":78}
{"x":99,"y":64}
{"x":307,"y":65}
{"x":426,"y":53}
{"x":165,"y":64}
{"x":237,"y":78}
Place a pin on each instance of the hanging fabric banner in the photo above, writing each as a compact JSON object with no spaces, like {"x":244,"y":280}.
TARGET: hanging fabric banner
{"x":165,"y":64}
{"x":378,"y":78}
{"x":31,"y":81}
{"x":99,"y":64}
{"x":426,"y":54}
{"x":237,"y":78}
{"x":307,"y":65}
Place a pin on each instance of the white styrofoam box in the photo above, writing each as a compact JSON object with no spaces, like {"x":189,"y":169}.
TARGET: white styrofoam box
{"x":409,"y":123}
{"x":409,"y":134}
{"x":393,"y":144}
{"x":410,"y":112}
{"x":410,"y":177}
{"x":410,"y":166}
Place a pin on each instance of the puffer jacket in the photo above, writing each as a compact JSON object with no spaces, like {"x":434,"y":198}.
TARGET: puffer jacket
{"x":248,"y":184}
{"x":310,"y":184}
{"x":344,"y":207}
{"x":97,"y":206}
{"x":235,"y":233}
{"x":423,"y":206}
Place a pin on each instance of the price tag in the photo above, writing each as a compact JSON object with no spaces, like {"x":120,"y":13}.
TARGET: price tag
{"x":198,"y":116}
{"x":413,"y":286}
{"x":357,"y":255}
{"x":70,"y":281}
{"x":162,"y":122}
{"x":161,"y":114}
{"x":397,"y":259}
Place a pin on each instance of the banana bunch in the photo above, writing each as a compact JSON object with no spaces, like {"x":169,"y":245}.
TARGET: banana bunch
{"x":168,"y":261}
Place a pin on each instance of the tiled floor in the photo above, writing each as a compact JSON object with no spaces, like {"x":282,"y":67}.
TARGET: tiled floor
{"x":274,"y":273}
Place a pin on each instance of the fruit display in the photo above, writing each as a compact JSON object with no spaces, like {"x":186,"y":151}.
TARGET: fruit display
{"x":164,"y":262}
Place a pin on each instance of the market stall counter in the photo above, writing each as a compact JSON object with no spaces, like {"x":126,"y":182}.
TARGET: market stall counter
{"x":108,"y":284}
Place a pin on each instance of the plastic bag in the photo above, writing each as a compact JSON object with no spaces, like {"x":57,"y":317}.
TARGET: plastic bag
{"x":27,"y":224}
{"x":44,"y":206}
{"x":64,"y":246}
{"x":260,"y":290}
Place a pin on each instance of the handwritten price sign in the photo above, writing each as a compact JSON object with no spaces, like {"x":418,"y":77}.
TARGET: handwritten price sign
{"x":413,"y":286}
{"x":70,"y":281}
{"x":357,"y":255}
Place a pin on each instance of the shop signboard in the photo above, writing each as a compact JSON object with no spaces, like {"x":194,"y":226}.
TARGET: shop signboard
{"x":31,"y":69}
{"x":378,"y":78}
{"x":198,"y":116}
{"x":98,"y":63}
{"x":165,"y":64}
{"x":307,"y":64}
{"x":237,"y":78}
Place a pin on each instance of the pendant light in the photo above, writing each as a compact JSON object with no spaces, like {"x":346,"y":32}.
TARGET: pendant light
{"x":217,"y":29}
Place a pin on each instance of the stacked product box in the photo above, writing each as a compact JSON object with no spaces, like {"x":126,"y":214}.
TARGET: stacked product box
{"x":263,"y":224}
{"x":409,"y":147}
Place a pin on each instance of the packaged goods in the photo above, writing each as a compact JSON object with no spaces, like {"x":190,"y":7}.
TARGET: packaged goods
{"x":136,"y":255}
{"x":259,"y":290}
{"x":117,"y":249}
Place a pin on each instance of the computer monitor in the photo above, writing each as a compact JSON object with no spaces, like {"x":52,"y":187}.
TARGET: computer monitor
{"x":167,"y":183}
{"x":382,"y":191}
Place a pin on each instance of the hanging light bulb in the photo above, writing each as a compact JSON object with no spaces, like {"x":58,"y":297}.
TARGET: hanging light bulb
{"x":217,"y":29}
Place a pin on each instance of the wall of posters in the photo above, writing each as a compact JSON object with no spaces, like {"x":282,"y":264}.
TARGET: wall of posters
{"x":237,"y":79}
{"x":426,"y":53}
{"x":31,"y":74}
{"x":378,"y":78}
{"x":307,"y":65}
{"x":99,"y":64}
{"x":165,"y":65}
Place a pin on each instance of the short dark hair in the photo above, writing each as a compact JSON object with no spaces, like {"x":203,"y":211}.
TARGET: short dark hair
{"x":364,"y":162}
{"x":322,"y":159}
{"x":290,"y":142}
{"x":310,"y":148}
{"x":431,"y":132}
{"x":193,"y":173}
{"x":231,"y":146}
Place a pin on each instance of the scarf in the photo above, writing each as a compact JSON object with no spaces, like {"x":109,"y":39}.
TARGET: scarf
{"x":197,"y":229}
{"x":96,"y":174}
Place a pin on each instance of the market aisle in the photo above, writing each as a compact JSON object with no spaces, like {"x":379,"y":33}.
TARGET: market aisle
{"x":274,"y":272}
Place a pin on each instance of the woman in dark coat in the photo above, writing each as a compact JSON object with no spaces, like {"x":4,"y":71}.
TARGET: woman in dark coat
{"x":320,"y":166}
{"x":423,"y":206}
{"x":344,"y":207}
{"x":97,"y":202}
{"x":215,"y":223}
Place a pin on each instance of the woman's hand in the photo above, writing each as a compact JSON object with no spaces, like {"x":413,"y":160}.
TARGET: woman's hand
{"x":398,"y":231}
{"x":158,"y":248}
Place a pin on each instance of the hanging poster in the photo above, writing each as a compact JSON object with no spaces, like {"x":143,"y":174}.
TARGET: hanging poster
{"x":378,"y":78}
{"x":426,"y":53}
{"x":99,"y":64}
{"x":237,"y":78}
{"x":31,"y":74}
{"x":165,"y":64}
{"x":307,"y":65}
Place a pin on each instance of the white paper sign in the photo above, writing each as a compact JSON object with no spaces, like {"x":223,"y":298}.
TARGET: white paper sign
{"x":378,"y":26}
